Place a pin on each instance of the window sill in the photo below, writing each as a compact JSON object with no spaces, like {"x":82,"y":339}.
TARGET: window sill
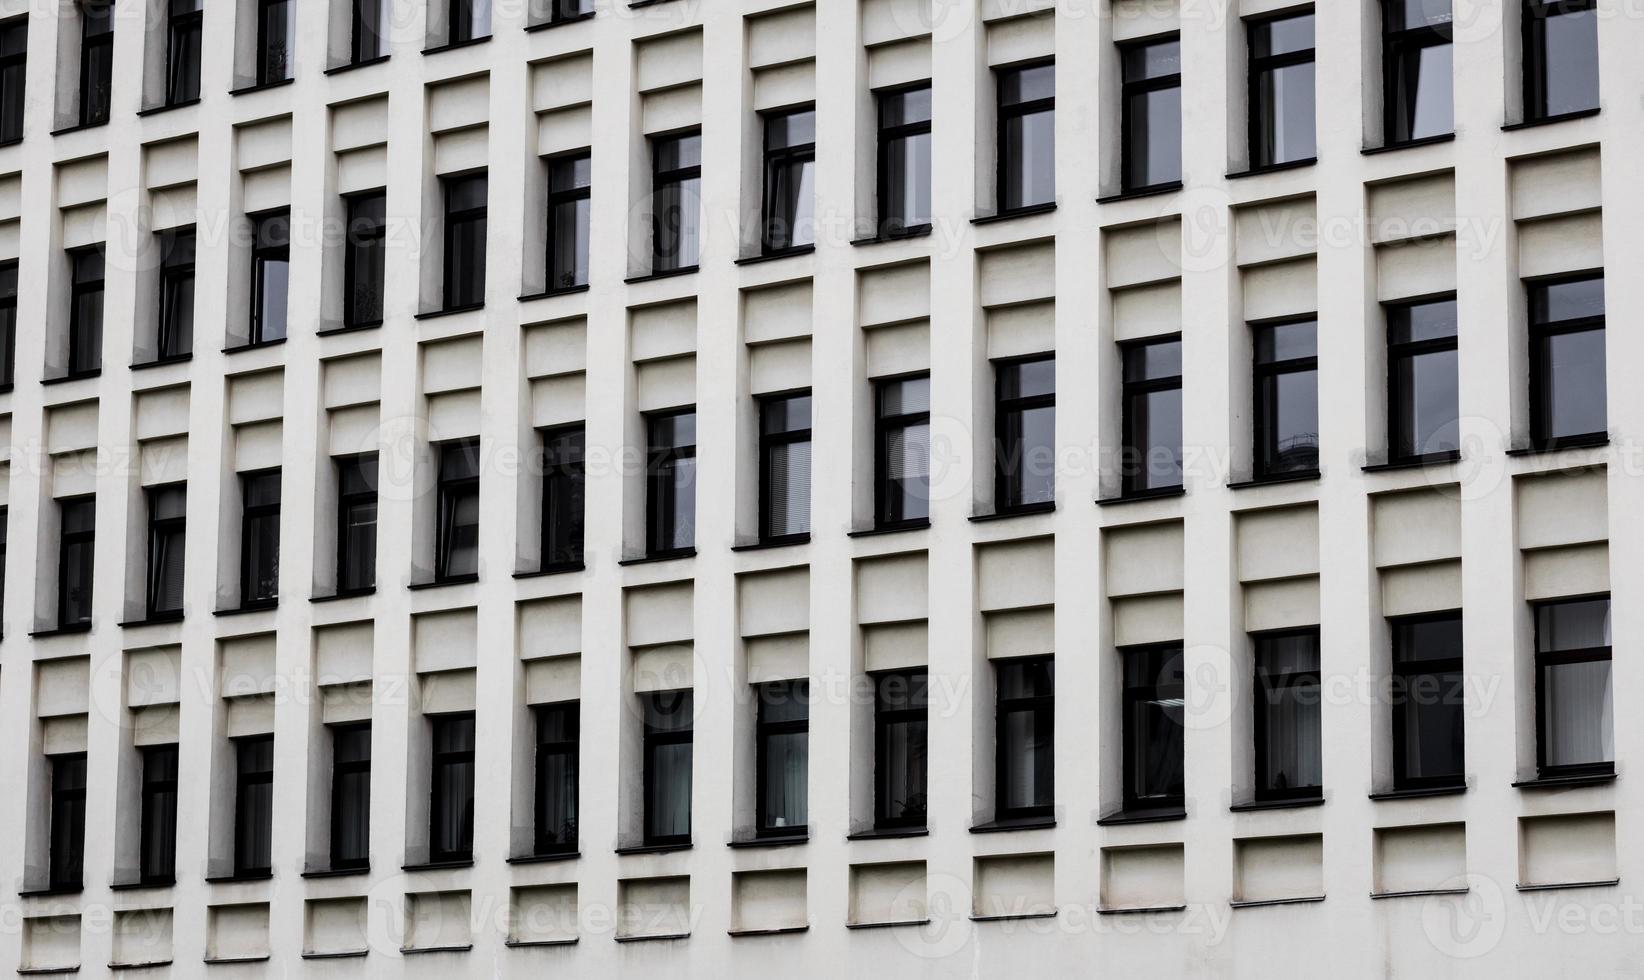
{"x":132,"y":886}
{"x":1152,"y":190}
{"x":889,"y":833}
{"x":455,"y":864}
{"x":1551,"y":120}
{"x":259,"y":345}
{"x":1022,"y":212}
{"x":12,"y":142}
{"x":1566,"y":782}
{"x":453,"y":311}
{"x":580,"y":287}
{"x":785,"y":542}
{"x":342,"y":596}
{"x":247,"y":609}
{"x":1371,"y":151}
{"x":1257,"y":805}
{"x":533,"y":943}
{"x":652,"y":939}
{"x":654,"y":848}
{"x":441,"y":583}
{"x":350,"y":66}
{"x":67,"y":378}
{"x":61,"y":630}
{"x":1143,"y":910}
{"x":638,"y":4}
{"x":1156,"y":815}
{"x":1420,"y":893}
{"x":1417,"y":794}
{"x":157,"y":619}
{"x":889,"y":529}
{"x":775,"y":840}
{"x":155,"y":110}
{"x":1027,"y":510}
{"x":911,"y":231}
{"x":234,"y":879}
{"x":1017,"y":823}
{"x":1431,"y":459}
{"x":336,"y":872}
{"x":1563,"y":885}
{"x":454,"y":948}
{"x":785,"y":931}
{"x":61,"y":890}
{"x":1593,"y":441}
{"x":897,"y":924}
{"x":347,"y":954}
{"x":46,"y":971}
{"x":1268,"y":481}
{"x":454,"y":45}
{"x":143,"y":965}
{"x":543,"y":858}
{"x":162,"y":361}
{"x":561,"y":22}
{"x":1273,"y":168}
{"x":261,"y":86}
{"x":1263,"y":903}
{"x":665,"y":274}
{"x":77,"y":127}
{"x":1015,"y":916}
{"x":565,"y":569}
{"x":229,"y":960}
{"x":785,"y":253}
{"x":348,"y":328}
{"x":1163,"y":493}
{"x":660,"y":557}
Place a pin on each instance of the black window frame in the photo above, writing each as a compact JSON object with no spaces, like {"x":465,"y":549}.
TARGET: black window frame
{"x":457,"y":266}
{"x":1147,"y":84}
{"x":66,"y":848}
{"x":252,"y":516}
{"x":253,"y":849}
{"x":350,"y":801}
{"x":1268,"y":453}
{"x":570,"y":185}
{"x":352,"y":581}
{"x":912,"y":709}
{"x":1398,"y":44}
{"x":14,"y":56}
{"x":270,"y":246}
{"x":463,"y":13}
{"x":892,"y":226}
{"x":184,"y":32}
{"x":558,"y":737}
{"x":438,"y":806}
{"x":452,"y":489}
{"x":690,"y":219}
{"x":1010,"y":454}
{"x":1406,"y":674}
{"x":165,"y":533}
{"x":771,"y":441}
{"x":270,"y":69}
{"x":96,"y":55}
{"x":564,"y":496}
{"x":84,"y":540}
{"x":365,"y":243}
{"x":654,"y":738}
{"x":783,"y":233}
{"x":1265,"y":683}
{"x":1008,"y":164}
{"x":1041,"y":707}
{"x":1545,"y":659}
{"x":8,"y":323}
{"x":1400,"y":420}
{"x":174,"y":332}
{"x":765,"y":731}
{"x":663,"y":509}
{"x":157,"y":821}
{"x":1541,"y":329}
{"x":1135,"y":460}
{"x":1261,"y":116}
{"x":361,"y":31}
{"x":1537,"y":65}
{"x":85,"y":347}
{"x":566,"y":11}
{"x":888,"y":506}
{"x":1136,"y":691}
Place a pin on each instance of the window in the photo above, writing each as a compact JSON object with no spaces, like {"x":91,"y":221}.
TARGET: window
{"x":1024,"y":738}
{"x":8,"y":323}
{"x":784,"y":466}
{"x":1281,"y":90}
{"x":667,"y":767}
{"x":270,"y":275}
{"x":904,"y":160}
{"x":260,"y":538}
{"x":167,"y":512}
{"x":356,"y":523}
{"x":368,"y":38}
{"x":458,"y":539}
{"x":559,"y":11}
{"x":783,"y":758}
{"x":1151,"y":454}
{"x":174,"y":337}
{"x":96,"y":60}
{"x":1567,"y":389}
{"x":1560,"y":58}
{"x":901,"y":709}
{"x":902,"y":451}
{"x":183,"y":25}
{"x":363,"y":259}
{"x":1422,"y":395}
{"x":676,"y":201}
{"x":1289,"y":749}
{"x":85,"y":353}
{"x":350,"y":796}
{"x":157,"y":847}
{"x":1287,"y":398}
{"x":1426,"y":695}
{"x":670,"y":475}
{"x":74,"y":563}
{"x":451,"y":798}
{"x":253,"y":805}
{"x":470,"y":20}
{"x":1024,"y":433}
{"x":1151,"y":113}
{"x":1575,"y":723}
{"x":564,"y":481}
{"x":5,"y":535}
{"x":14,"y":54}
{"x":559,"y":730}
{"x":1027,"y":136}
{"x":465,"y":224}
{"x":68,"y":820}
{"x":790,"y":176}
{"x":1416,"y":70}
{"x":275,"y":29}
{"x":1153,"y":716}
{"x":570,"y":190}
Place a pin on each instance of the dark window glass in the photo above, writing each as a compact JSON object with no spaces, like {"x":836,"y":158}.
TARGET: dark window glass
{"x":1027,"y":136}
{"x":167,"y":513}
{"x":8,"y":323}
{"x":270,"y":275}
{"x":790,"y":171}
{"x":470,"y":19}
{"x":458,"y":539}
{"x":1417,"y":74}
{"x":784,"y":466}
{"x":1024,"y":738}
{"x":183,"y":50}
{"x":260,"y":538}
{"x":904,"y":160}
{"x":670,"y":475}
{"x":86,"y":312}
{"x":68,"y":820}
{"x":1151,"y":455}
{"x":74,"y":562}
{"x":1287,"y":398}
{"x":1575,"y":716}
{"x":14,"y":51}
{"x":570,"y":186}
{"x":676,"y":201}
{"x":369,"y":36}
{"x":356,"y":523}
{"x":1151,"y":114}
{"x":1289,"y":750}
{"x":901,"y":715}
{"x":667,"y":767}
{"x":557,"y":11}
{"x":1422,"y":394}
{"x":363,"y":259}
{"x":902,"y":451}
{"x":157,"y":857}
{"x":350,"y":796}
{"x":1281,"y":90}
{"x":451,"y":798}
{"x":1427,"y":698}
{"x":559,"y":733}
{"x":275,"y":28}
{"x":783,"y":763}
{"x":465,"y":225}
{"x":174,"y":336}
{"x":253,"y":805}
{"x":1153,"y":716}
{"x":96,"y":60}
{"x":564,"y":482}
{"x":1560,"y":57}
{"x":1567,"y":387}
{"x":1024,"y":441}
